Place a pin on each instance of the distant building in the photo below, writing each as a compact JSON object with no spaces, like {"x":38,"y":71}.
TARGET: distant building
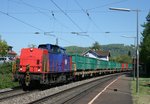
{"x":11,"y":53}
{"x":98,"y":54}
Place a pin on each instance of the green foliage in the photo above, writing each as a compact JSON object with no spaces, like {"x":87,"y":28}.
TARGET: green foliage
{"x":5,"y":68}
{"x":119,"y":49}
{"x":6,"y":81}
{"x":3,"y":48}
{"x":6,"y":76}
{"x":145,"y":44}
{"x":123,"y":59}
{"x":129,"y":53}
{"x":96,"y":46}
{"x":76,"y":50}
{"x":118,"y":52}
{"x":32,"y":46}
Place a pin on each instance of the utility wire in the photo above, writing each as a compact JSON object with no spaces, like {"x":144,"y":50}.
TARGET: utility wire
{"x":21,"y":21}
{"x":67,"y":32}
{"x":70,"y":11}
{"x":70,"y":42}
{"x":58,"y":20}
{"x":29,"y":4}
{"x":35,"y":8}
{"x":67,"y":15}
{"x":86,"y":12}
{"x":7,"y":6}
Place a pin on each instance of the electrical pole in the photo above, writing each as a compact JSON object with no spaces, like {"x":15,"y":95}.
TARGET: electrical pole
{"x":137,"y":47}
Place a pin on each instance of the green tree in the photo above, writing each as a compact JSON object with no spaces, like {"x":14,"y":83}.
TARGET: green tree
{"x":129,"y":53}
{"x":3,"y":47}
{"x":124,"y":59}
{"x":96,"y":46}
{"x":32,"y":46}
{"x":145,"y":46}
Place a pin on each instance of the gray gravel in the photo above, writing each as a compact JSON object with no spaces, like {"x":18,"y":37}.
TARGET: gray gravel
{"x":24,"y":99}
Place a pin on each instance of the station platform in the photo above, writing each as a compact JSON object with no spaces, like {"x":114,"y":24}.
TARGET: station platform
{"x":117,"y":93}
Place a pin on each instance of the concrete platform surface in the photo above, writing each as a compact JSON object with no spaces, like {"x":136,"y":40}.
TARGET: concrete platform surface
{"x":117,"y":93}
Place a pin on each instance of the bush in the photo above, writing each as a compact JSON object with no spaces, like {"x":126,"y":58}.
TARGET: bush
{"x":5,"y":68}
{"x":6,"y":76}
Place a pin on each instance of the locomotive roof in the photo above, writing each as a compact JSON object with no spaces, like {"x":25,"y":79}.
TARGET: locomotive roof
{"x":54,"y":45}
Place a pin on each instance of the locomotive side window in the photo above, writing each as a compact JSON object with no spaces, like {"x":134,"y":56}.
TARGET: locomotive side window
{"x":55,"y":49}
{"x":62,"y":51}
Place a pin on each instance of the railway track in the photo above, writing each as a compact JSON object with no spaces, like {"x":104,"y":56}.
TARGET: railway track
{"x":12,"y":94}
{"x":71,"y":95}
{"x":66,"y":94}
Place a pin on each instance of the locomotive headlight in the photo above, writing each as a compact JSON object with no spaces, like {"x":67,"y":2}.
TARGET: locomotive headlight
{"x":31,"y":49}
{"x":39,"y":69}
{"x":20,"y":68}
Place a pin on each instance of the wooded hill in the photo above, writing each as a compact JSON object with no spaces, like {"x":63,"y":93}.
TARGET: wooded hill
{"x":116,"y":50}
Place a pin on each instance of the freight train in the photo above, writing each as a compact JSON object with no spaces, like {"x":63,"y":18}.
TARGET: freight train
{"x":49,"y":64}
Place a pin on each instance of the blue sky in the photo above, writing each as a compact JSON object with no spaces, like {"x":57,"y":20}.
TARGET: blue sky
{"x":92,"y":19}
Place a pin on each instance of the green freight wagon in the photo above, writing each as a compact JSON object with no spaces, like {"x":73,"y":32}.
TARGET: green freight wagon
{"x":118,"y":66}
{"x":130,"y":66}
{"x":78,"y":61}
{"x":111,"y":65}
{"x":101,"y":64}
{"x":84,"y":63}
{"x":90,"y":63}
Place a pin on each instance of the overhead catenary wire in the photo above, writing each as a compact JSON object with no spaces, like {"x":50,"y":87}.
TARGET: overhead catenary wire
{"x":41,"y":12}
{"x":21,"y":21}
{"x":67,"y":41}
{"x":65,"y":32}
{"x":67,"y":15}
{"x":8,"y":7}
{"x":29,"y":4}
{"x":86,"y":12}
{"x":35,"y":8}
{"x":58,"y":20}
{"x":70,"y":11}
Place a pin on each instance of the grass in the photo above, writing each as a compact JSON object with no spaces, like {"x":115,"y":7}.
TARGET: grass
{"x":143,"y":97}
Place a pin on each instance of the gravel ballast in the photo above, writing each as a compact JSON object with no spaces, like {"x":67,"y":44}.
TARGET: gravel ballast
{"x":24,"y":99}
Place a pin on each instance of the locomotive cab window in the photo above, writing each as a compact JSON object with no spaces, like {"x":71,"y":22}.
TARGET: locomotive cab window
{"x":56,"y":49}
